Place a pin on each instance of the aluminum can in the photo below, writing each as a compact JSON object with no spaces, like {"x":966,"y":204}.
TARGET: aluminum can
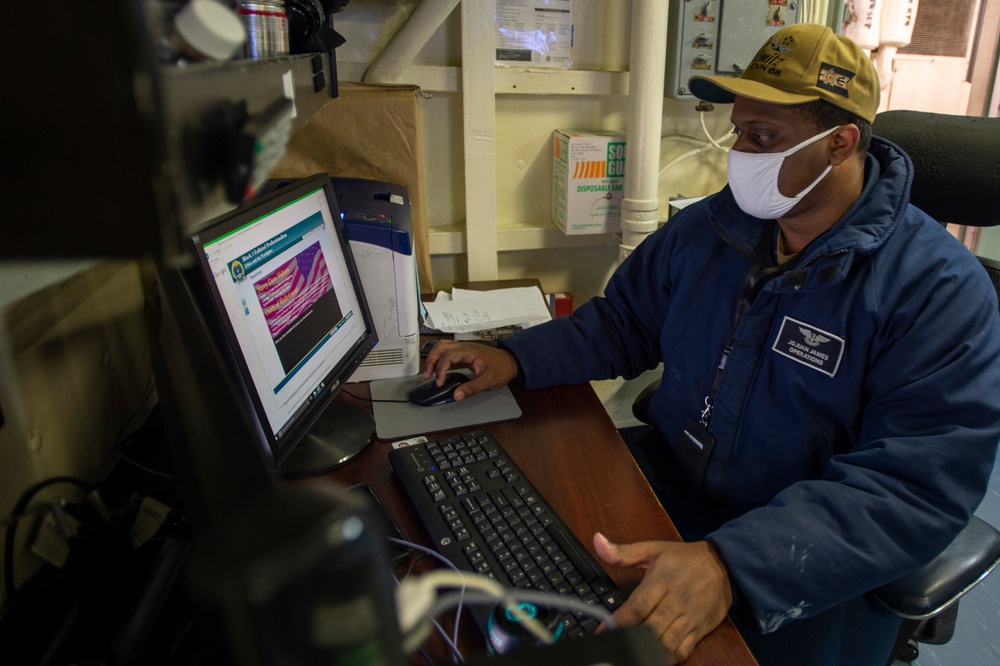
{"x":267,"y":28}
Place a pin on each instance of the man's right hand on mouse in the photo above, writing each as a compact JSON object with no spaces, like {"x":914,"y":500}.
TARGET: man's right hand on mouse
{"x":494,"y":367}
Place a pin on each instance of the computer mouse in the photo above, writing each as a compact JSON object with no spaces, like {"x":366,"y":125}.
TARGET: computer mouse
{"x":428,"y":394}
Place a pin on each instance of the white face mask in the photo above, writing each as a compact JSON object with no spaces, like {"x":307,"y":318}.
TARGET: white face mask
{"x":753,"y":178}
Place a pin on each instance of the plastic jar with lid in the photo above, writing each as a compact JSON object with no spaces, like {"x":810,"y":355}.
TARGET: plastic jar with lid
{"x":204,"y":30}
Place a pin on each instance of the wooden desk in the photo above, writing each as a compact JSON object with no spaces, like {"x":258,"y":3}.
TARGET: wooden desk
{"x":569,"y":448}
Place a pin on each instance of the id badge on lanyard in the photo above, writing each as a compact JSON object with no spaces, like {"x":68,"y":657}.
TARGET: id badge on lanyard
{"x":696,"y":444}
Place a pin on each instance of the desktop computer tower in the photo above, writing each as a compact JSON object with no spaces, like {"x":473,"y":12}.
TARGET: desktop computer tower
{"x":377,"y":217}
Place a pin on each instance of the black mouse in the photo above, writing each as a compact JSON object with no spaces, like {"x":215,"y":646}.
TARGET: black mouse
{"x":428,"y":394}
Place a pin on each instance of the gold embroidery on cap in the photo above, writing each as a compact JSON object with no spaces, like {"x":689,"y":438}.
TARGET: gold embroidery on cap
{"x":834,"y":79}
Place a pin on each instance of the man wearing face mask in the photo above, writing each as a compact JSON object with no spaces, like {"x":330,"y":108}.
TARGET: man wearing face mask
{"x":828,"y":415}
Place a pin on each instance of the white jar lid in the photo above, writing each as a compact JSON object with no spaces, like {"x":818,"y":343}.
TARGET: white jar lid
{"x":211,"y":28}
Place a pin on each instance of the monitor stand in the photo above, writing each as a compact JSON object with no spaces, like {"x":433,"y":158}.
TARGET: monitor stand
{"x":341,"y":432}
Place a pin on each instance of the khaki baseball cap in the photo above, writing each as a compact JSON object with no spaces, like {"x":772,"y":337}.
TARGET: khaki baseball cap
{"x":801,"y":63}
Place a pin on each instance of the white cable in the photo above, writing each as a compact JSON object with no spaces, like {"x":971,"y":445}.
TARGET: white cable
{"x":513,"y":606}
{"x":685,"y":137}
{"x":417,"y":602}
{"x":456,"y":654}
{"x":538,"y":598}
{"x":499,"y":592}
{"x":713,"y":143}
{"x":569,"y":603}
{"x":415,"y":599}
{"x":684,"y":156}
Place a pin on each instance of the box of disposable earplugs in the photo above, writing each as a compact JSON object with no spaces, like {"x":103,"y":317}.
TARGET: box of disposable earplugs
{"x":588,"y":174}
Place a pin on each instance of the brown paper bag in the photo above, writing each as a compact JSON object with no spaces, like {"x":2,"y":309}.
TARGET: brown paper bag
{"x":369,"y":131}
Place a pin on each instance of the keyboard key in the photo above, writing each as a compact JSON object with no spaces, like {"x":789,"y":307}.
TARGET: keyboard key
{"x":611,"y":601}
{"x":470,"y":505}
{"x":498,"y":499}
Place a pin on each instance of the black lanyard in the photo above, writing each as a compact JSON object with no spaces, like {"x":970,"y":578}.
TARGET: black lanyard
{"x":759,"y":269}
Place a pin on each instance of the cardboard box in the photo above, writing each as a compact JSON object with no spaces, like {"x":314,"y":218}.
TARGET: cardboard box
{"x":588,"y":176}
{"x":369,"y":131}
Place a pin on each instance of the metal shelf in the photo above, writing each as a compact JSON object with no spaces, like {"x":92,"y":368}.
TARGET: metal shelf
{"x":194,"y":100}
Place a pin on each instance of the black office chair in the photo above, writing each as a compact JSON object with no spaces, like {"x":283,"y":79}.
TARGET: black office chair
{"x":956,"y":180}
{"x":956,"y":168}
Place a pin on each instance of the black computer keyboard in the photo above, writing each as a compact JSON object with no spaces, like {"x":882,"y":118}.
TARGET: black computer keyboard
{"x":486,"y":517}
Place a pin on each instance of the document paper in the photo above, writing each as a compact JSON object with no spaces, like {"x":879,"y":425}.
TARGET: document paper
{"x":470,"y":310}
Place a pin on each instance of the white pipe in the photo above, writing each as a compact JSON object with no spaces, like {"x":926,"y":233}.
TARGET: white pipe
{"x":404,"y":46}
{"x":647,"y":68}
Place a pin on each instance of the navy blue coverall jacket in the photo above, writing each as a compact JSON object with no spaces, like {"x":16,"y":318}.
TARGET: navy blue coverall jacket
{"x":858,"y":414}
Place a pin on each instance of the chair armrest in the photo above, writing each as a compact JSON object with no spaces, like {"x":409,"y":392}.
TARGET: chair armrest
{"x":992,"y":267}
{"x":640,"y":406}
{"x":935,"y":586}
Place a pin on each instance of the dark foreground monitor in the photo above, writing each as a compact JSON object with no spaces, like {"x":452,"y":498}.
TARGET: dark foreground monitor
{"x":281,"y":280}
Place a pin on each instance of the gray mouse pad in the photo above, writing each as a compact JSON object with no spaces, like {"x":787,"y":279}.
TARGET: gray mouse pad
{"x":403,"y":419}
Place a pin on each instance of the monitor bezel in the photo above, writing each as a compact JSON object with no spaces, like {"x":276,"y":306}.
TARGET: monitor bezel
{"x":249,"y":211}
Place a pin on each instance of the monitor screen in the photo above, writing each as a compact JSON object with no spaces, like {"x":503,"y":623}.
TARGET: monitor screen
{"x":286,"y":291}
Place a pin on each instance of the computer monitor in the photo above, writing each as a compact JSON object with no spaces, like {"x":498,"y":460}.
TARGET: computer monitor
{"x":282,"y":282}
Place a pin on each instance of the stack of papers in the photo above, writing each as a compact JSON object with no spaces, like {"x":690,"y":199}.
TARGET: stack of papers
{"x":486,"y":315}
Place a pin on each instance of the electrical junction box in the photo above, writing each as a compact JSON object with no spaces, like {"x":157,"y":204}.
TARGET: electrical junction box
{"x":719,"y":37}
{"x":377,"y":219}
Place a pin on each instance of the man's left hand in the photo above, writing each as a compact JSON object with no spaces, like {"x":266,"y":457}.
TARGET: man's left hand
{"x":683,"y":596}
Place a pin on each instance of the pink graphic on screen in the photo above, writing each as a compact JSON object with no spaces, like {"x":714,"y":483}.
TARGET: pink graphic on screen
{"x":291,"y":289}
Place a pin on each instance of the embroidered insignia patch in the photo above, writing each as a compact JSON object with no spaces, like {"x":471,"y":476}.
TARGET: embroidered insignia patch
{"x":810,"y":346}
{"x":834,"y":79}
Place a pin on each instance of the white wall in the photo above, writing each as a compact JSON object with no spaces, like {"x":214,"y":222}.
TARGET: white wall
{"x":524,"y":125}
{"x":74,"y":377}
